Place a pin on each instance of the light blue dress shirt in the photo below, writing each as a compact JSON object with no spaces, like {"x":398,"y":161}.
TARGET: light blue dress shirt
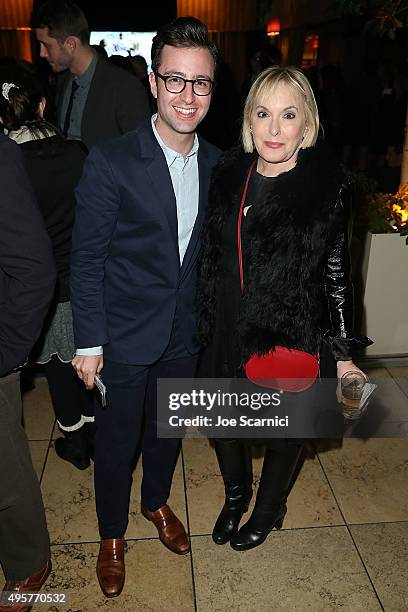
{"x":184,"y":177}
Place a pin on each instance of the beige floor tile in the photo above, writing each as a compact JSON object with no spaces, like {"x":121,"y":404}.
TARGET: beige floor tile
{"x":138,"y":526}
{"x":156,"y":580}
{"x":398,"y":371}
{"x":376,"y":372}
{"x":401,"y":374}
{"x":384,"y":549}
{"x":310,"y":504}
{"x":316,"y":570}
{"x":70,"y":503}
{"x":369,"y":479}
{"x":205,"y":490}
{"x":38,"y":412}
{"x":38,"y":453}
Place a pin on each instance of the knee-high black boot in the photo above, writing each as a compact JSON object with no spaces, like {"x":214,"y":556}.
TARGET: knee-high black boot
{"x":270,"y":506}
{"x":236,"y":469}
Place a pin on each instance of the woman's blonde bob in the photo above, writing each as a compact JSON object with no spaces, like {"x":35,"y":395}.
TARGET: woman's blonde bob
{"x":264,"y":87}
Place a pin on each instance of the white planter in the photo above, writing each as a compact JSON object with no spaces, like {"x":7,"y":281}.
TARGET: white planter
{"x":385,"y":294}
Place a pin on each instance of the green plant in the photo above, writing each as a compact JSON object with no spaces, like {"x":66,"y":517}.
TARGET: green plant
{"x":376,"y":212}
{"x":385,"y":17}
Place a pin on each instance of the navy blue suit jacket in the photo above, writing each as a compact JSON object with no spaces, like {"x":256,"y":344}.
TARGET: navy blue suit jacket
{"x":126,"y":279}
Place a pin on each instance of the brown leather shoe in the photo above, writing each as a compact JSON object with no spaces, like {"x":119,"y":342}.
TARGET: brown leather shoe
{"x":32,"y":584}
{"x":170,"y":528}
{"x":110,"y":567}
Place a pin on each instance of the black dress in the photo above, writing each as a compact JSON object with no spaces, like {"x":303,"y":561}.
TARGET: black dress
{"x":222,"y":357}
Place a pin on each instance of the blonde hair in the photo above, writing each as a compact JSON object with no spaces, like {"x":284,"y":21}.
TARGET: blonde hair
{"x":265,"y":85}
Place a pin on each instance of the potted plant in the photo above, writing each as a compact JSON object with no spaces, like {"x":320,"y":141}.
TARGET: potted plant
{"x":381,"y":220}
{"x":383,"y":286}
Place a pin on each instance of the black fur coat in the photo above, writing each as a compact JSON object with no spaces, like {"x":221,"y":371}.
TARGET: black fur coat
{"x":297,"y":264}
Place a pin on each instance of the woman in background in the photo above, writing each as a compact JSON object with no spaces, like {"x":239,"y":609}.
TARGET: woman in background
{"x":54,"y":166}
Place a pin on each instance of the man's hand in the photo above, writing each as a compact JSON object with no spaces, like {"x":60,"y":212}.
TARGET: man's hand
{"x":86,"y":366}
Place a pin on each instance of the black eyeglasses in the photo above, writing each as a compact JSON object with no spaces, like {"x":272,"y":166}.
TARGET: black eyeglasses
{"x":177,"y":84}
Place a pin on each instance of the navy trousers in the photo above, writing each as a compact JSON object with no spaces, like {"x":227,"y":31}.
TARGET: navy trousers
{"x":128,"y":419}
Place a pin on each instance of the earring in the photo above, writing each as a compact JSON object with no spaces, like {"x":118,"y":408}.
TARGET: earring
{"x":250,"y":128}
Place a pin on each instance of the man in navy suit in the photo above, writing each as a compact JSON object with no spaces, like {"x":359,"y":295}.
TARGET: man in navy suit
{"x":140,"y":208}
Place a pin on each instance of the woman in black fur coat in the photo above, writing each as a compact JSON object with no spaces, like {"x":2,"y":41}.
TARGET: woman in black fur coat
{"x":297,"y":288}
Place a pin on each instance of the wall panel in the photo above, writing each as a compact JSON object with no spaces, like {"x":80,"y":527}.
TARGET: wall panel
{"x":221,"y":15}
{"x":15,"y":13}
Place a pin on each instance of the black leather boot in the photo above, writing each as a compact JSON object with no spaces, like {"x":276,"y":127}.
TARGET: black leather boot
{"x":73,"y":447}
{"x":270,"y":506}
{"x":236,"y":469}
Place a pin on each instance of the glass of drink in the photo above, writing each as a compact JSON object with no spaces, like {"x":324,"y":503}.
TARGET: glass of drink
{"x":352,"y":386}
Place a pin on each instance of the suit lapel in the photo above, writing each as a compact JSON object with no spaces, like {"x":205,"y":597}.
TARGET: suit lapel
{"x":164,"y":194}
{"x":160,"y":181}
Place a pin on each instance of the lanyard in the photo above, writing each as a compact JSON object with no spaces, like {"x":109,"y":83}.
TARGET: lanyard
{"x":241,"y":272}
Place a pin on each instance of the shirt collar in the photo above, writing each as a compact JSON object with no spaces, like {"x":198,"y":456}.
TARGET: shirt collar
{"x":169,"y":153}
{"x":86,"y":77}
{"x":26,"y":133}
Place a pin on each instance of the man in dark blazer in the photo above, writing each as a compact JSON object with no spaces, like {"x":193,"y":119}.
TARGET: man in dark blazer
{"x":27,"y":278}
{"x":140,"y":208}
{"x":95,"y":99}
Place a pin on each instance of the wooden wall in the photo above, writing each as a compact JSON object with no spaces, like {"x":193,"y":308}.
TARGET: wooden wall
{"x":228,"y":21}
{"x":221,"y":15}
{"x":15,"y":13}
{"x":15,"y":39}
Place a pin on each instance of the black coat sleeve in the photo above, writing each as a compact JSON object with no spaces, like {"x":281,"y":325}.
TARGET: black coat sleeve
{"x":338,"y":286}
{"x":27,"y":269}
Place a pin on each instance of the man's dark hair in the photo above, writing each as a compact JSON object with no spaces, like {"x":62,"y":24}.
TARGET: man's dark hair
{"x":63,"y":18}
{"x":182,"y":32}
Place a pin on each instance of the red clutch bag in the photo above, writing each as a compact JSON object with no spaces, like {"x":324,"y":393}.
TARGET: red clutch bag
{"x":287,"y":369}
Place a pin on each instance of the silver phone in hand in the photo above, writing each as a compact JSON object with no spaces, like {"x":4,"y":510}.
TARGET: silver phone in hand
{"x":100,"y":385}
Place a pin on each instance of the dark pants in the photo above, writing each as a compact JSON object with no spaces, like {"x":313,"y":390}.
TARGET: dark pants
{"x":131,"y":403}
{"x":73,"y":404}
{"x":24,"y":540}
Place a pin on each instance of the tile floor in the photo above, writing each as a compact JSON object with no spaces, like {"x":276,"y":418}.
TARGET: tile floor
{"x":344,"y":545}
